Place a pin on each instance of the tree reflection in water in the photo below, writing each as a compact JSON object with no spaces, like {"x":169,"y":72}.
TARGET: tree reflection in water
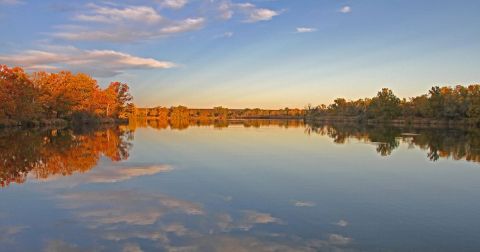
{"x":439,"y":143}
{"x":457,"y":144}
{"x":43,"y":153}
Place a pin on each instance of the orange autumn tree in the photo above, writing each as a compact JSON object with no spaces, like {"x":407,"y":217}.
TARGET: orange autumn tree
{"x":65,"y":95}
{"x":18,"y":94}
{"x":117,"y":97}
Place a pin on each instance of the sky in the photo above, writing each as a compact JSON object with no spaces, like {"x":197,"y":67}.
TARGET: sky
{"x":256,"y":53}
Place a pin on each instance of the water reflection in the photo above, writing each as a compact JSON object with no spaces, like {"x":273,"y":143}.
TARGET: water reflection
{"x":166,"y":190}
{"x":166,"y":223}
{"x":457,"y":144}
{"x":45,"y":153}
{"x":185,"y":124}
{"x":439,"y":143}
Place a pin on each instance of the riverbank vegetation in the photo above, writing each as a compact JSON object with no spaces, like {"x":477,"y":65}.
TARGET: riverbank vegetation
{"x":457,"y":105}
{"x":42,"y":98}
{"x":220,"y":113}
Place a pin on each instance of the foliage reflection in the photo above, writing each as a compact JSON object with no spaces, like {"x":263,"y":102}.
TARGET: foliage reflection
{"x":57,"y":152}
{"x":457,"y":144}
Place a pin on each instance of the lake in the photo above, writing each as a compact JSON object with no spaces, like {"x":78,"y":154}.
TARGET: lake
{"x":253,"y":185}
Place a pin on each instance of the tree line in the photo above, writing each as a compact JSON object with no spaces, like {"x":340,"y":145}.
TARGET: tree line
{"x":185,"y":113}
{"x":41,"y":97}
{"x":442,"y":103}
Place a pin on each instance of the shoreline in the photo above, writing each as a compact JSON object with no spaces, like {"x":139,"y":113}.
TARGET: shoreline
{"x":398,"y":122}
{"x":60,"y":123}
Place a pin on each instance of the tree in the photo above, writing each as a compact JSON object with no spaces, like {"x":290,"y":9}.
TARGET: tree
{"x":17,"y":94}
{"x":118,"y":96}
{"x":220,"y":112}
{"x":385,"y":105}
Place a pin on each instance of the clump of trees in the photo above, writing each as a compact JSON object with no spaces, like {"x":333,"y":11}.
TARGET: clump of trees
{"x":442,"y":103}
{"x":64,"y":95}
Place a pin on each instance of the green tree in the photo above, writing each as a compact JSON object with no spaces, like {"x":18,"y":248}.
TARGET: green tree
{"x":385,"y":105}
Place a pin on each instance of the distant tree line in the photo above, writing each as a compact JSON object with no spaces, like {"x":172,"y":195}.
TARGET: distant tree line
{"x":41,"y":96}
{"x":184,"y":113}
{"x":443,"y":103}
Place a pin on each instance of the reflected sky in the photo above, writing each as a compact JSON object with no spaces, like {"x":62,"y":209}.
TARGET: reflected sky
{"x":239,"y":186}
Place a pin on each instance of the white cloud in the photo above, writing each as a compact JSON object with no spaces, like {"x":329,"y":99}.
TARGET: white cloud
{"x":124,"y":24}
{"x":100,"y":63}
{"x":118,"y":23}
{"x":305,"y":29}
{"x":345,"y":9}
{"x":107,"y":14}
{"x":173,"y":4}
{"x":183,"y":26}
{"x":251,"y":12}
{"x":246,"y":5}
{"x":257,"y":15}
{"x":254,"y":14}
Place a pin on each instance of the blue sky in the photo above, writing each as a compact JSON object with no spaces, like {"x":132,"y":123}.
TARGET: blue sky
{"x":263,"y":53}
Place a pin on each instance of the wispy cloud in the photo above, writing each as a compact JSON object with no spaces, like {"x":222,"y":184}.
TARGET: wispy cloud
{"x":124,"y":24}
{"x":305,"y":29}
{"x":345,"y":9}
{"x":255,"y":14}
{"x":107,"y":14}
{"x":251,"y":12}
{"x":173,"y":4}
{"x":261,"y":15}
{"x":100,"y":63}
{"x":183,"y":26}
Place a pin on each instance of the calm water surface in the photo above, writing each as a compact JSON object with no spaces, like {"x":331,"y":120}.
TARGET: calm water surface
{"x":240,"y":186}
